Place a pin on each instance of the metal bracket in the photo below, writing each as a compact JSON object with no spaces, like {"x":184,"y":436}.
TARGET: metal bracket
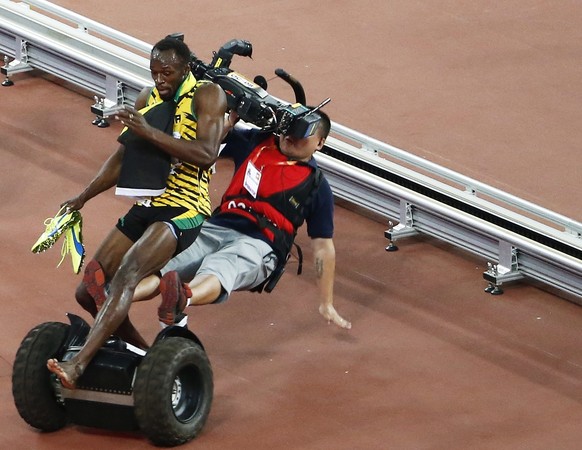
{"x":106,"y":106}
{"x":19,"y":64}
{"x":403,"y":229}
{"x":506,"y":270}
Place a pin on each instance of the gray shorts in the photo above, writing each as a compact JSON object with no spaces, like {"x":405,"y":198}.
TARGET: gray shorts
{"x":238,"y":261}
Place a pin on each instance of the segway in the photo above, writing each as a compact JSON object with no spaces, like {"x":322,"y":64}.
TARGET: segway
{"x":165,"y":393}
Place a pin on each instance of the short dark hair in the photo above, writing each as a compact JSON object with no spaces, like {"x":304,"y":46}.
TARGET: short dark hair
{"x":325,"y":125}
{"x":169,"y":43}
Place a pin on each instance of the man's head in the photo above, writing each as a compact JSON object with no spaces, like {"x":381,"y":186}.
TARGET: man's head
{"x":303,"y":149}
{"x":169,"y":66}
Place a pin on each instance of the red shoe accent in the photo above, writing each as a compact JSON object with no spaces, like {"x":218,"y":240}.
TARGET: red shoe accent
{"x":174,"y":297}
{"x":94,"y":281}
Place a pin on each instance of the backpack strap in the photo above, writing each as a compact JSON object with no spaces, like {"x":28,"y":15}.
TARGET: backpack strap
{"x":269,"y":284}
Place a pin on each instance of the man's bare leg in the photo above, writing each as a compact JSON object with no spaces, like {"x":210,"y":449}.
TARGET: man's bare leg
{"x":205,"y":289}
{"x":108,"y":258}
{"x":175,"y":294}
{"x":145,"y":257}
{"x":147,"y":288}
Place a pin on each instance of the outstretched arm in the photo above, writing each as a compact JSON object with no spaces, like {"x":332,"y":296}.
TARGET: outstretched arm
{"x":210,"y":106}
{"x":324,"y":259}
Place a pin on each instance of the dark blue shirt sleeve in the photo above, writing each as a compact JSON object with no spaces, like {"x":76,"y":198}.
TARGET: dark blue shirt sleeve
{"x":319,"y":218}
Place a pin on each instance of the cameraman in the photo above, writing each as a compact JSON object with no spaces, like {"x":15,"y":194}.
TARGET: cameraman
{"x":247,"y":239}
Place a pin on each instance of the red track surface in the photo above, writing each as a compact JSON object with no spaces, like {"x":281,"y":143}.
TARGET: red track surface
{"x":432,"y":362}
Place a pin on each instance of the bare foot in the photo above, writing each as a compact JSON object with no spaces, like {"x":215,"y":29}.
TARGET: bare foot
{"x":331,"y":315}
{"x":66,"y":372}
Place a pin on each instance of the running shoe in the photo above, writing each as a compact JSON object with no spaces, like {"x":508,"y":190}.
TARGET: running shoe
{"x":74,"y":243}
{"x":94,"y":280}
{"x":55,"y":227}
{"x":175,"y":295}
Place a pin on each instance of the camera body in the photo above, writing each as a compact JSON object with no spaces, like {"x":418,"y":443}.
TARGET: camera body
{"x":250,"y":100}
{"x":297,"y":120}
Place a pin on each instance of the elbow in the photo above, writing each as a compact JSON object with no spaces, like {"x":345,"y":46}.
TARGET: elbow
{"x":324,"y":246}
{"x":326,"y":254}
{"x":207,"y":162}
{"x":324,"y":251}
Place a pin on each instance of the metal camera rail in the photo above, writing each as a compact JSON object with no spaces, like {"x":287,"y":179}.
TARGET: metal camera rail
{"x":518,"y":239}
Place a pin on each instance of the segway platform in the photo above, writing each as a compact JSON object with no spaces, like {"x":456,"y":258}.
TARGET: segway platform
{"x":165,"y":393}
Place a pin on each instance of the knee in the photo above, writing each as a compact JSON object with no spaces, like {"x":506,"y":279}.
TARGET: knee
{"x":126,"y":275}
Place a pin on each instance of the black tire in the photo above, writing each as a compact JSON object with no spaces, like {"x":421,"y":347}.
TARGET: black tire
{"x":32,"y":386}
{"x":173,"y":391}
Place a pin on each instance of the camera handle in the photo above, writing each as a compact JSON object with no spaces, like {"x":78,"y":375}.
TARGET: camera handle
{"x":223,"y":57}
{"x":294,"y":83}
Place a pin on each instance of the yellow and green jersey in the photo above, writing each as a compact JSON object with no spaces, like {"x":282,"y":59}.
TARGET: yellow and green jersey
{"x":187,"y":184}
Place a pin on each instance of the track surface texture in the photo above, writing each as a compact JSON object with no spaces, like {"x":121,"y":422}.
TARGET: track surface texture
{"x":492,"y":91}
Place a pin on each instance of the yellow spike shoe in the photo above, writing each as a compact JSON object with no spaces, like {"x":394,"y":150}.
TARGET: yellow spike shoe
{"x":74,"y":245}
{"x":55,"y":227}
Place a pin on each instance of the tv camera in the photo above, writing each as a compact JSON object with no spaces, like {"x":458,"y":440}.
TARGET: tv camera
{"x":250,"y":99}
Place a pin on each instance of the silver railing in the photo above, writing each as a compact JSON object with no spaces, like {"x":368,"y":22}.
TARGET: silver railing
{"x":518,"y":239}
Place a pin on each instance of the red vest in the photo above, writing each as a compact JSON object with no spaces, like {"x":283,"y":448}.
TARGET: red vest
{"x":285,"y":188}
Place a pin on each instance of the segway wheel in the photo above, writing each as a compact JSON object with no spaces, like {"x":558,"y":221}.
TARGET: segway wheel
{"x":32,"y":387}
{"x":173,"y":391}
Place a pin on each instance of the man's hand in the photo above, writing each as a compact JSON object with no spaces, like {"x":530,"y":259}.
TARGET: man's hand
{"x":331,"y":315}
{"x":229,"y":123}
{"x":73,"y":204}
{"x":134,"y":120}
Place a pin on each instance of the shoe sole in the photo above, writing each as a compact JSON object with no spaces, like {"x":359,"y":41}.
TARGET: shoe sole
{"x":77,"y":249}
{"x":94,"y":281}
{"x":171,"y":291}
